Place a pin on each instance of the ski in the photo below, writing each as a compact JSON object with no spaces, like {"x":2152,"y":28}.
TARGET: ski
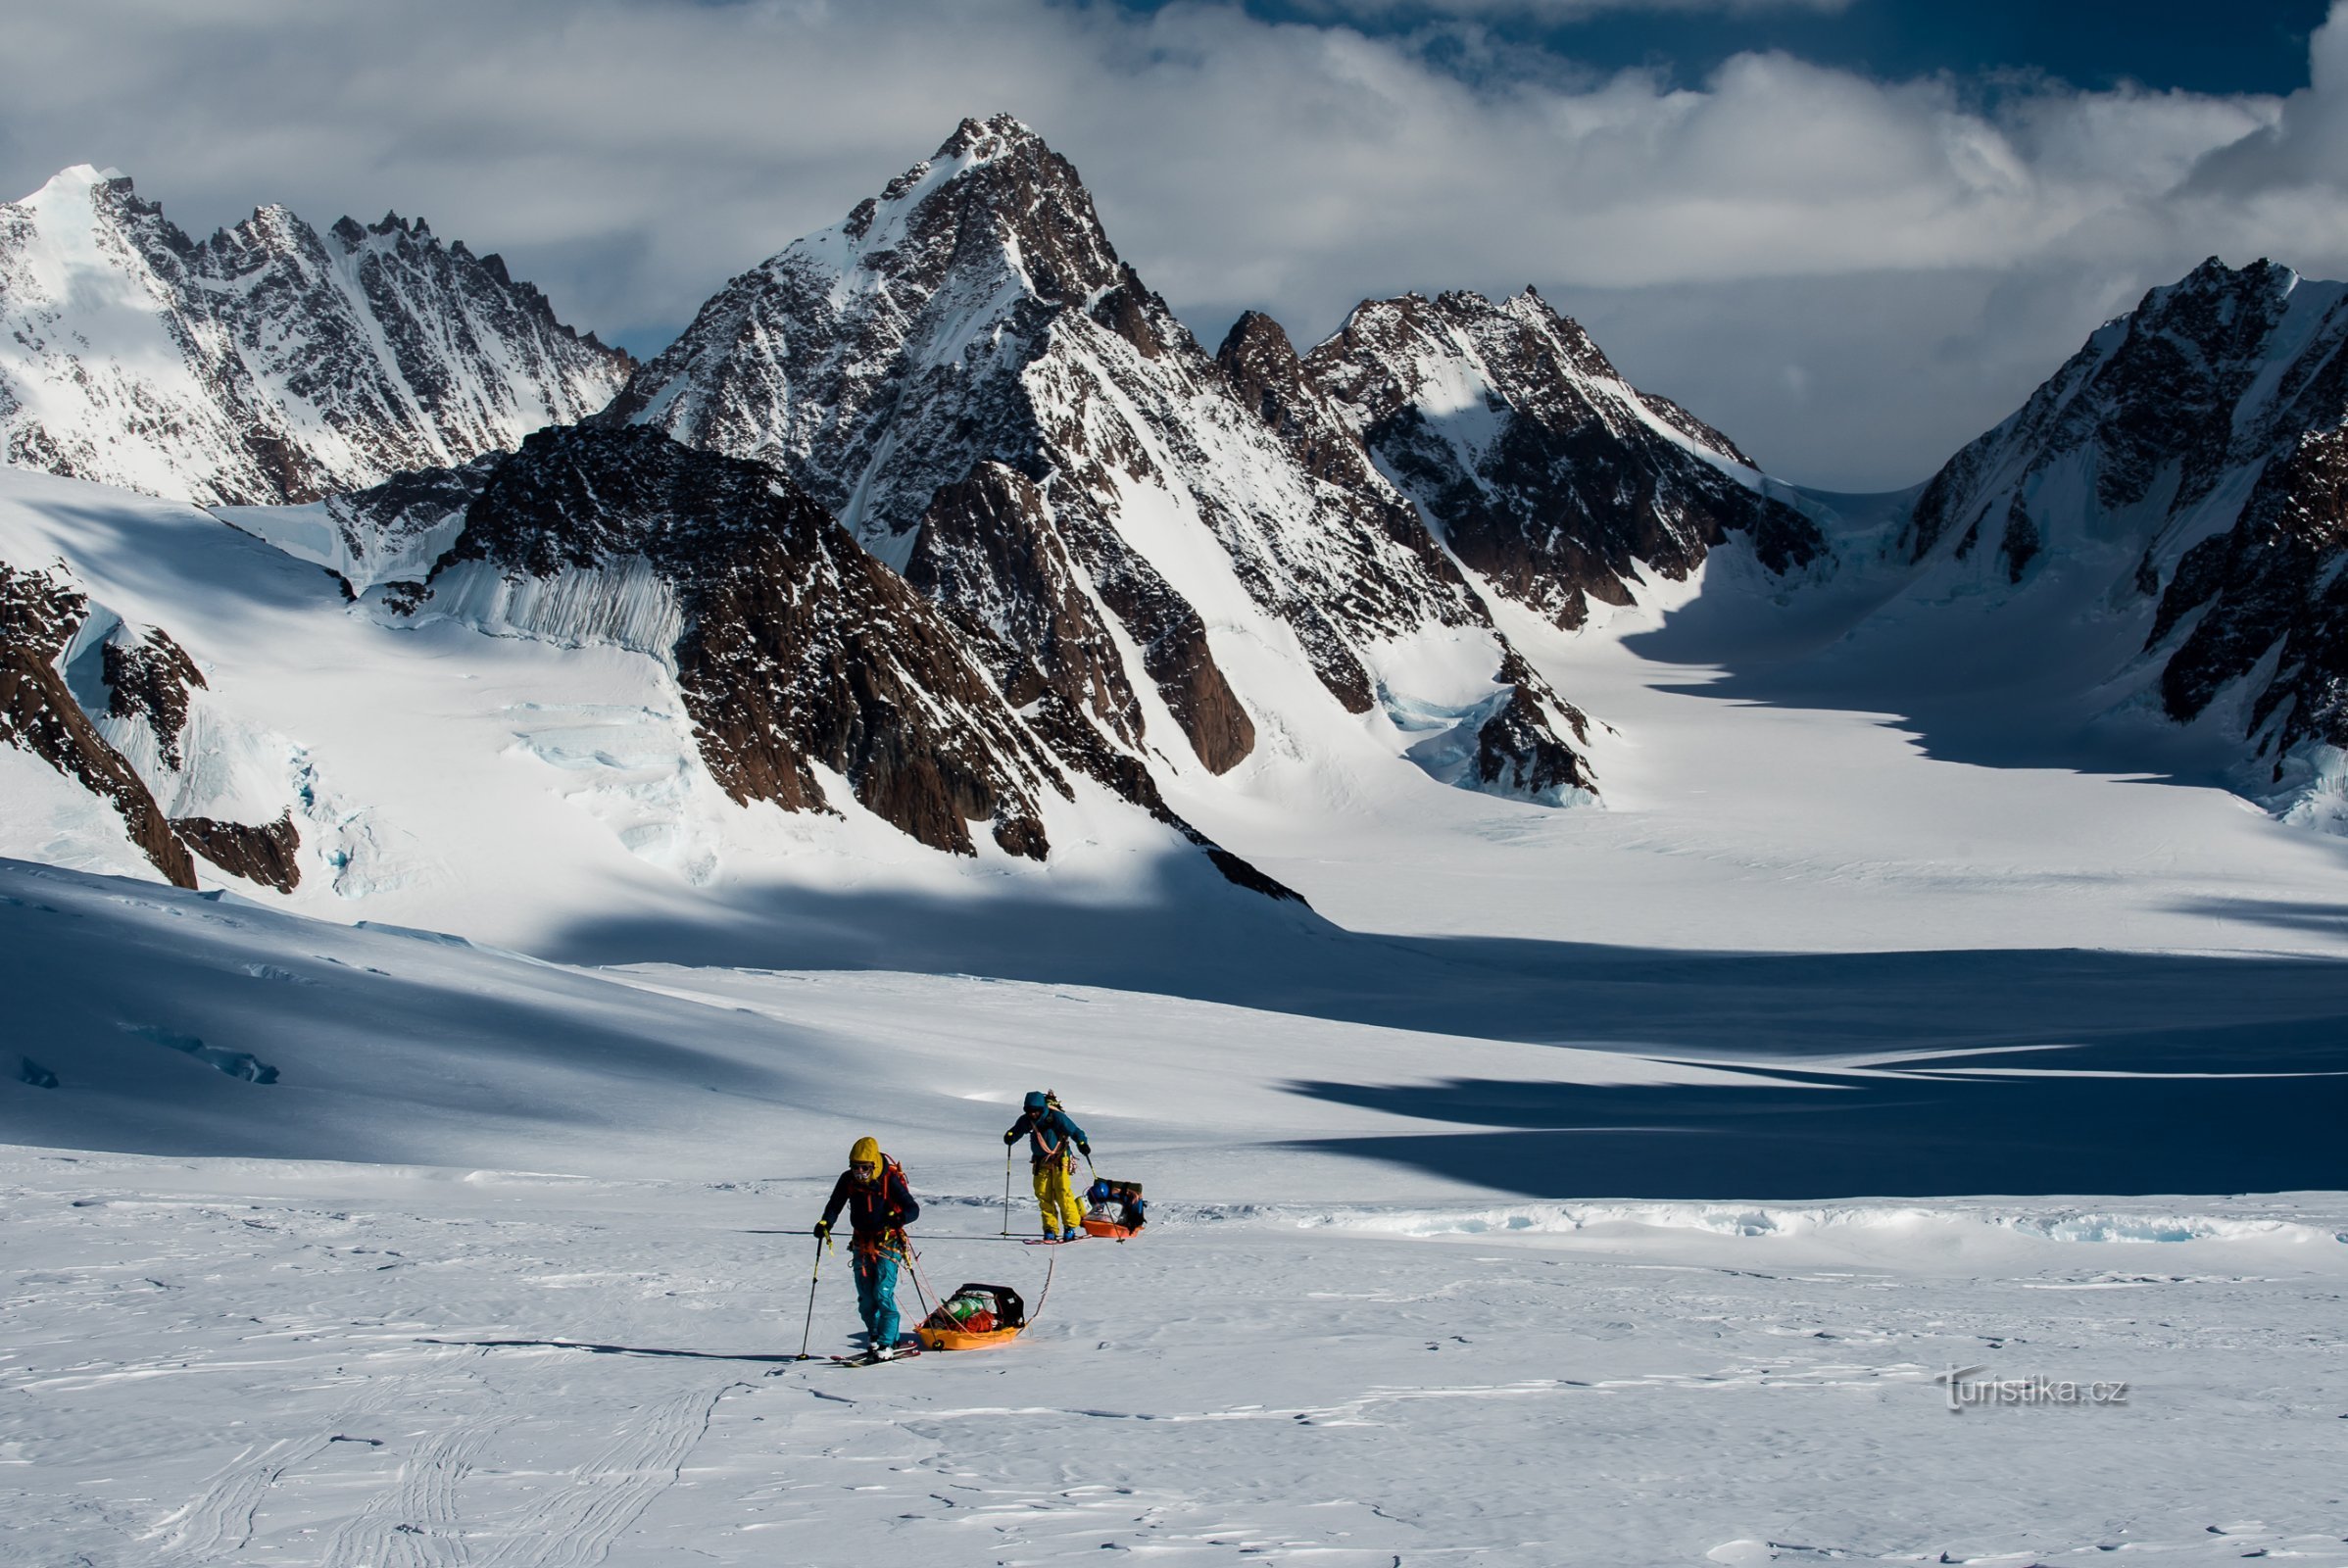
{"x":1049,"y":1240}
{"x":868,"y":1359}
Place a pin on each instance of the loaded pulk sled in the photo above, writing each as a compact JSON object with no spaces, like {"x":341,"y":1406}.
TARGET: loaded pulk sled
{"x":1114,"y":1210}
{"x":974,"y":1317}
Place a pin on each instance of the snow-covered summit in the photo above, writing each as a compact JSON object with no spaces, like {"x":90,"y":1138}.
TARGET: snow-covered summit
{"x":269,"y":363}
{"x":808,"y":360}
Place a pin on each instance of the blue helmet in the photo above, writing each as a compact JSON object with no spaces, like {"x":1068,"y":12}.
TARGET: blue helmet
{"x":1035,"y":1099}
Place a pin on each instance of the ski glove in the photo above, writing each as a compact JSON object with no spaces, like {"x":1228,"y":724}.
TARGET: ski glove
{"x":823,"y":1231}
{"x":1084,"y":1149}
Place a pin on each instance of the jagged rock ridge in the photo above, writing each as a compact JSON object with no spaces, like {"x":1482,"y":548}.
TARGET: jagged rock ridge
{"x":966,"y":373}
{"x":269,"y":362}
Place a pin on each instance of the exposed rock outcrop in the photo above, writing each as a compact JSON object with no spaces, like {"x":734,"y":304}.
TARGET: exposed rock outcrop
{"x":268,"y":855}
{"x":38,"y":618}
{"x":1550,"y":476}
{"x":150,"y":679}
{"x":793,"y":647}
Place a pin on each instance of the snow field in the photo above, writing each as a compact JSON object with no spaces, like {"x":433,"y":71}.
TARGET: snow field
{"x":229,"y":1344}
{"x":275,"y":1361}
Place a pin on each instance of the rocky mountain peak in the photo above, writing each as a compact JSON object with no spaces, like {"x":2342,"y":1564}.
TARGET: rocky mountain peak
{"x":992,"y":199}
{"x":2206,"y":376}
{"x":932,"y":295}
{"x":2188,"y":468}
{"x":267,"y":363}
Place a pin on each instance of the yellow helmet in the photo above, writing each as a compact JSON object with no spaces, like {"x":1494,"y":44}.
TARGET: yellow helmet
{"x":866,"y":1153}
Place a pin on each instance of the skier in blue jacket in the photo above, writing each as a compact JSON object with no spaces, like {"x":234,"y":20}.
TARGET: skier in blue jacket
{"x":1054,"y":1142}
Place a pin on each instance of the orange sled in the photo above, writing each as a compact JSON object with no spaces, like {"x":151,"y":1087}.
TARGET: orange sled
{"x":1109,"y":1227}
{"x":956,"y":1339}
{"x":974,"y":1318}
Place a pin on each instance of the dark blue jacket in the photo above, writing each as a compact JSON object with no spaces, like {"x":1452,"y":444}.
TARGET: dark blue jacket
{"x":875,"y":1209}
{"x":1050,"y":1133}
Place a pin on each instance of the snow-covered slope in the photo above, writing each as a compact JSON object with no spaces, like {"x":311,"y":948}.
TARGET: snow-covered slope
{"x":269,"y":362}
{"x":1197,"y":557}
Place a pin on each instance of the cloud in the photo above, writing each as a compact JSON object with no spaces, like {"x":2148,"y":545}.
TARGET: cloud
{"x":1547,"y":10}
{"x":1913,"y":257}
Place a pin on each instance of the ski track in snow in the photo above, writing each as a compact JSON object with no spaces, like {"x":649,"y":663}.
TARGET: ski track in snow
{"x":412,"y":1524}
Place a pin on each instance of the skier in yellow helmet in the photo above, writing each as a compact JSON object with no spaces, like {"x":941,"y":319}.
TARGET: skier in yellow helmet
{"x":879,"y":1206}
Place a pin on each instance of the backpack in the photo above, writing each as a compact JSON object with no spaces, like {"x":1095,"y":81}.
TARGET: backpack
{"x":1126,"y":1196}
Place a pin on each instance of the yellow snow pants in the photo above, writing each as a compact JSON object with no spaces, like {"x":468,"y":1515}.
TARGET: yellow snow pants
{"x":1055,"y":1192}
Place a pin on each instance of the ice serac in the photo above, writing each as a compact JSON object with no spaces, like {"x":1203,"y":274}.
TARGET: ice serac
{"x":987,"y":396}
{"x":792,"y":646}
{"x":1548,"y":475}
{"x":2192,"y":453}
{"x":269,"y":362}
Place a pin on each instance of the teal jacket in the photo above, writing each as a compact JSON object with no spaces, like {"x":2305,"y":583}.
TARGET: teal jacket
{"x":1049,"y":1132}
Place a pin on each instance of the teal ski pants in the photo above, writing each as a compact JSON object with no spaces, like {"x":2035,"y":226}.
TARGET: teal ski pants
{"x":876,"y":1295}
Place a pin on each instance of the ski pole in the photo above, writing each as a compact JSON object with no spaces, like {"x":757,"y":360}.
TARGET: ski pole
{"x":810,"y":1331}
{"x":1006,"y":1192}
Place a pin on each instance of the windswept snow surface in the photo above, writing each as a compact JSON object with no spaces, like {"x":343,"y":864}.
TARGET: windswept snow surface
{"x":546,"y":1320}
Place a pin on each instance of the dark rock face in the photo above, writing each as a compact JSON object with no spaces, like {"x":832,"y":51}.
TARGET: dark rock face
{"x":2272,"y":585}
{"x":266,"y":855}
{"x":150,"y":679}
{"x":282,"y":365}
{"x":795,"y":648}
{"x":38,"y":618}
{"x":1543,"y":469}
{"x":1516,"y":749}
{"x":798,"y":648}
{"x":988,"y":554}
